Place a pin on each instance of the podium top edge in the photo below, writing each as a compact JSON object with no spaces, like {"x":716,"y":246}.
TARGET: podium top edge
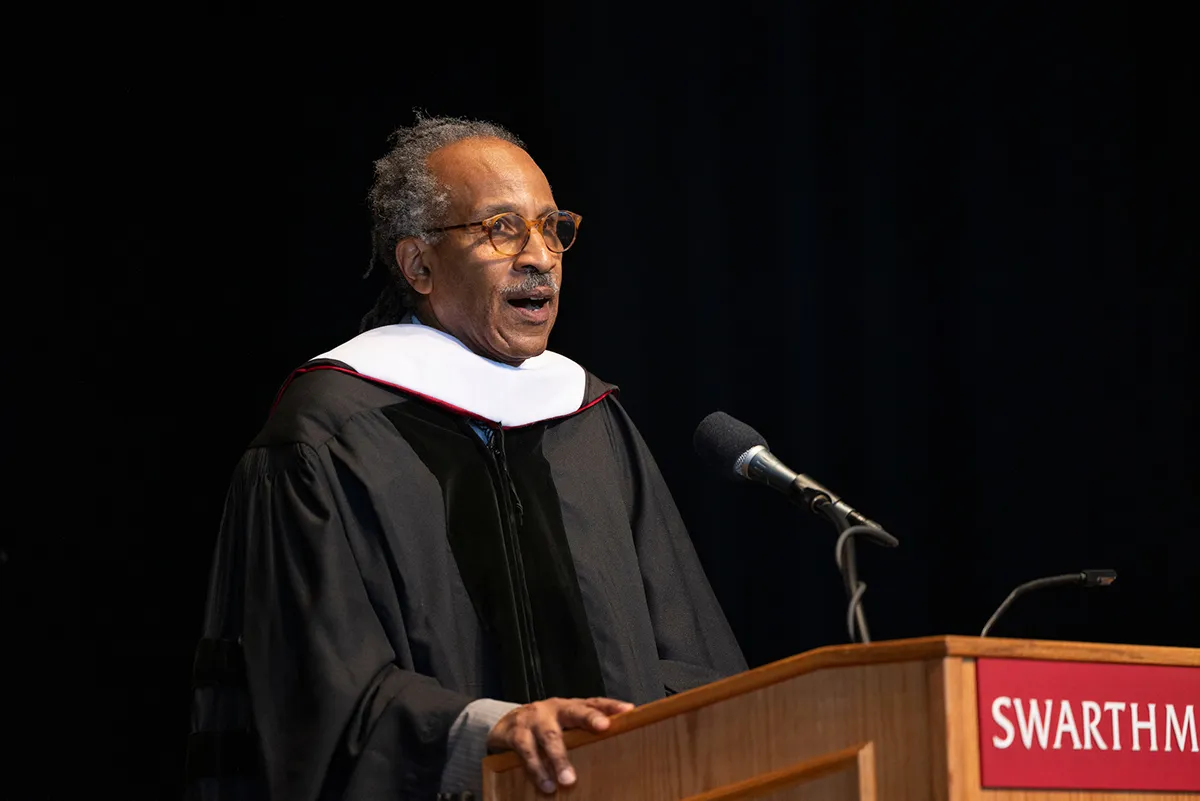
{"x":923,"y":648}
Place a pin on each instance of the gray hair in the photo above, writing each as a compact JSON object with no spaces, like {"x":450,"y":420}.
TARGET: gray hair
{"x":407,"y":200}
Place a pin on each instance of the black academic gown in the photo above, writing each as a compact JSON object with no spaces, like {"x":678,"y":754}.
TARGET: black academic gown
{"x":380,"y":566}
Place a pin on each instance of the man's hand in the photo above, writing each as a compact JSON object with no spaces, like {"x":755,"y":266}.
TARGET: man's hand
{"x":535,"y":732}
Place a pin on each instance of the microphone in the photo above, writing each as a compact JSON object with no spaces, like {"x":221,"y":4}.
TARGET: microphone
{"x":1087,"y":578}
{"x":738,"y":452}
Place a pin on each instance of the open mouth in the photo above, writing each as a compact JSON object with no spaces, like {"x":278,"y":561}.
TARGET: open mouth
{"x":533,"y":304}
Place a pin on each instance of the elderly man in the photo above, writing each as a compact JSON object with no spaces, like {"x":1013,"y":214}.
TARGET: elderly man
{"x":446,"y":539}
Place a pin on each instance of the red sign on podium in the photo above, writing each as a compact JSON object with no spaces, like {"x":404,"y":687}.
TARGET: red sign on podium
{"x":1085,"y":726}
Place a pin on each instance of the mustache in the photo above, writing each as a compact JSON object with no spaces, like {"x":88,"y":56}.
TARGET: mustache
{"x":532,"y":281}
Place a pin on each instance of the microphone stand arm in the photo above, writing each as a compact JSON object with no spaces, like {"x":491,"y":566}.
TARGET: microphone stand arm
{"x":849,"y":524}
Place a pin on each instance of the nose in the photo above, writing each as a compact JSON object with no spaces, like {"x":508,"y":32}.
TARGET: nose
{"x":535,"y":255}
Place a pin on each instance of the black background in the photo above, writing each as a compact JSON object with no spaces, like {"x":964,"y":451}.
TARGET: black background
{"x":944,"y":259}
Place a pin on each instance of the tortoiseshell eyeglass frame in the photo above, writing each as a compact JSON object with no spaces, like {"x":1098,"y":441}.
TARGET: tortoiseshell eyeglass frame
{"x":540,"y":223}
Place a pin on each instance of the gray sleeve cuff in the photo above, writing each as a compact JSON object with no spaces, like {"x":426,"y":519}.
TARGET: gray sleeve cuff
{"x":467,"y":745}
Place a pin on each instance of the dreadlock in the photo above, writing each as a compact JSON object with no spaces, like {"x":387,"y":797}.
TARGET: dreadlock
{"x":406,"y":200}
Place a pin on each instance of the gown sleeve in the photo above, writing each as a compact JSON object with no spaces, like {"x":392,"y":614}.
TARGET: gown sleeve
{"x":695,"y":642}
{"x":334,"y":714}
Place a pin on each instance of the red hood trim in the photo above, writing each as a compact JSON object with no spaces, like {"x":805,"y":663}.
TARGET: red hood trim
{"x":427,"y":398}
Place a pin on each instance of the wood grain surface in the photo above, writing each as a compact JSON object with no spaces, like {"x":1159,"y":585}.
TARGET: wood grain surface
{"x":851,"y":774}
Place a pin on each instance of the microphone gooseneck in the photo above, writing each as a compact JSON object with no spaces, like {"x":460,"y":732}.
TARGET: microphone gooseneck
{"x":1086,"y":578}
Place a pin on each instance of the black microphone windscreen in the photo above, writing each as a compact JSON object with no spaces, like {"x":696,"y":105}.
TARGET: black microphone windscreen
{"x":720,"y":439}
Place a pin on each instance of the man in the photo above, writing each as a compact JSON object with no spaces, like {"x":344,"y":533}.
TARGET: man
{"x":446,"y":539}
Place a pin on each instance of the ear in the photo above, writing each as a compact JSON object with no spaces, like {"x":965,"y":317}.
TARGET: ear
{"x":411,"y":255}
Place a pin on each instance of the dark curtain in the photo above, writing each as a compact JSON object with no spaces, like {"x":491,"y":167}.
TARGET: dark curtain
{"x":942,"y":257}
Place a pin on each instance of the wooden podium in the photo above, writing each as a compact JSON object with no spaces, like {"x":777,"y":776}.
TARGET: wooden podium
{"x":891,"y":720}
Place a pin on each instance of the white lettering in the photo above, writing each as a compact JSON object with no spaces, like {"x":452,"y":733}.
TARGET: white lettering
{"x":1116,"y":707}
{"x":1034,"y":723}
{"x":1181,"y":729}
{"x":1003,"y":722}
{"x":1139,"y":725}
{"x":1091,"y":719}
{"x":1066,"y":722}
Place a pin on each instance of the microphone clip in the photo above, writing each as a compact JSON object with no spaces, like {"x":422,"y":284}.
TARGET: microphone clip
{"x":814,"y":498}
{"x":823,"y":503}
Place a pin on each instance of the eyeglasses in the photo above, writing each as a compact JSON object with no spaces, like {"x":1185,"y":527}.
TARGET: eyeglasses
{"x":509,"y":232}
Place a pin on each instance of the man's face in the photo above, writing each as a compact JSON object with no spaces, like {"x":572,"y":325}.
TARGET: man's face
{"x":474,"y":291}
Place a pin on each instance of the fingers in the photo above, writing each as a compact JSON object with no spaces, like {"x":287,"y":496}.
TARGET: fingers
{"x":578,"y":714}
{"x":609,"y":706}
{"x":549,"y":737}
{"x":535,"y":732}
{"x":592,"y":713}
{"x":525,"y":743}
